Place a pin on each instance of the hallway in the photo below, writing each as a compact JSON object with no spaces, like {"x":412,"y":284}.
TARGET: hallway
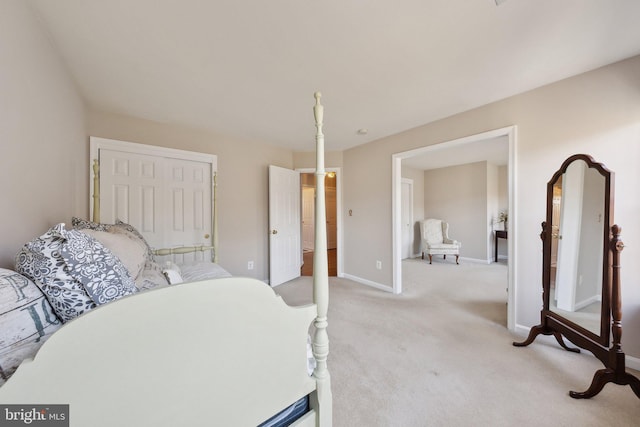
{"x":307,"y":267}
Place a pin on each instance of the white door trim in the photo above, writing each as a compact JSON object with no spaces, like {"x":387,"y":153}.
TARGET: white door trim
{"x":396,"y":191}
{"x":410,"y":183}
{"x":338,"y":171}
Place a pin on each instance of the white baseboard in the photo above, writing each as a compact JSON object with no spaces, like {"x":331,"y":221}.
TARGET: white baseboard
{"x":476,"y":260}
{"x":368,"y":283}
{"x":522,"y":331}
{"x":630,"y":361}
{"x":473,"y":260}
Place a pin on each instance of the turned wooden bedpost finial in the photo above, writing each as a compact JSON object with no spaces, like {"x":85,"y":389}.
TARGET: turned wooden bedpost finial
{"x":318,"y":110}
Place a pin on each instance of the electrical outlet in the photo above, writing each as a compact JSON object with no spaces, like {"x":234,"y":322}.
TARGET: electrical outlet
{"x":250,"y":265}
{"x":379,"y":265}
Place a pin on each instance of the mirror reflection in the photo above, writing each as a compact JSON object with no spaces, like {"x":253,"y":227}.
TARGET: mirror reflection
{"x":577,"y":258}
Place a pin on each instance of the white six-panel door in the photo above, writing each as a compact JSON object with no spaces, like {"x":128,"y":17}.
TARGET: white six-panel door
{"x":285,"y":253}
{"x":131,"y":191}
{"x":188,"y":204}
{"x":168,"y":199}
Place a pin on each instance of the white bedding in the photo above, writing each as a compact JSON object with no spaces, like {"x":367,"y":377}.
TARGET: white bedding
{"x":193,"y":272}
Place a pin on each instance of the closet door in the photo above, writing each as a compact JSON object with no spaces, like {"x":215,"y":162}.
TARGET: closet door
{"x":187,"y":204}
{"x":131,"y":190}
{"x":167,"y":199}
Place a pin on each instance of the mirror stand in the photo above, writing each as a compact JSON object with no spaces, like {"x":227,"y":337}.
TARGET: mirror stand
{"x":581,"y":294}
{"x":612,"y":357}
{"x":614,"y":370}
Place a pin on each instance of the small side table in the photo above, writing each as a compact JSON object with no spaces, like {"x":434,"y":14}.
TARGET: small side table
{"x":500,"y":234}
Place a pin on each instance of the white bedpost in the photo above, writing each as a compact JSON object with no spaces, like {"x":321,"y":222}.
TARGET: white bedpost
{"x":321,"y":280}
{"x":215,"y":217}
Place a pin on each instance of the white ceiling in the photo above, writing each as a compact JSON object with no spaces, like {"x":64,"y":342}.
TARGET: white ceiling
{"x":248,"y":69}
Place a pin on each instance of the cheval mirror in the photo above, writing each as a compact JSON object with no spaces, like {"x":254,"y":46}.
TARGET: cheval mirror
{"x":580,"y":270}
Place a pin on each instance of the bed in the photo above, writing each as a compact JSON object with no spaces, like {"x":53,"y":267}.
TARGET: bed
{"x":225,"y":351}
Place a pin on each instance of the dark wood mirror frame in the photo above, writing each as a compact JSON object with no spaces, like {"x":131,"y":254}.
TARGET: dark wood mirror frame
{"x":605,"y":346}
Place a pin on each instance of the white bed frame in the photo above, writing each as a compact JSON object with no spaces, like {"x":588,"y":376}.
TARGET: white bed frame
{"x":225,"y":352}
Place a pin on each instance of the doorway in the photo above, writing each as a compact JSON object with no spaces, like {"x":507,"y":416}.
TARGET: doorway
{"x":397,"y":160}
{"x":307,"y":184}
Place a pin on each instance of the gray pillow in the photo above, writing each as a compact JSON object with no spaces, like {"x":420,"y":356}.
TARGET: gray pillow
{"x":131,"y":252}
{"x":82,"y":224}
{"x":119,"y":226}
{"x":74,"y":271}
{"x":103,"y":275}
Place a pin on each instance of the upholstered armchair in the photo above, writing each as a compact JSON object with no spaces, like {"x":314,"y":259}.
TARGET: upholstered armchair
{"x":435,"y":239}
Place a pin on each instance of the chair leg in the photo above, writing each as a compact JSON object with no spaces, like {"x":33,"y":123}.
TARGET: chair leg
{"x":445,"y":256}
{"x":422,"y":255}
{"x":457,"y":259}
{"x":429,"y":258}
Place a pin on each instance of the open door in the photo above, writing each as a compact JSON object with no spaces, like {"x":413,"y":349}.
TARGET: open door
{"x":285,"y":253}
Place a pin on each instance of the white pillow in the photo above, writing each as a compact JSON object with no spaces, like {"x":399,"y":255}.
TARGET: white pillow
{"x":129,"y":251}
{"x":172,"y":273}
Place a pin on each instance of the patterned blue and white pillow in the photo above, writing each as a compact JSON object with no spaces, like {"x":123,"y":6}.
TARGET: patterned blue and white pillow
{"x":41,"y":261}
{"x":80,"y":224}
{"x":103,"y":275}
{"x":151,"y":276}
{"x":74,"y":271}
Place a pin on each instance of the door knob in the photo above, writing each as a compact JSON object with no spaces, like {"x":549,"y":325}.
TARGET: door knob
{"x":274,"y":232}
{"x":206,"y":236}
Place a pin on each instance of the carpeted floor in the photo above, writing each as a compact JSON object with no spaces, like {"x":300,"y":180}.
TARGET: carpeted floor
{"x":440,"y":355}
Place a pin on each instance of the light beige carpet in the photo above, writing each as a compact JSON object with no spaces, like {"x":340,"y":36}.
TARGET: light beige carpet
{"x":440,"y":355}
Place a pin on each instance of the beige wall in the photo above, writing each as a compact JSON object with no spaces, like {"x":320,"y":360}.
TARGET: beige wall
{"x":503,"y":188}
{"x":492,"y":209}
{"x":458,"y":195}
{"x":304,"y":160}
{"x":503,"y":204}
{"x":43,"y":153}
{"x":243,"y":179}
{"x":596,"y":113}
